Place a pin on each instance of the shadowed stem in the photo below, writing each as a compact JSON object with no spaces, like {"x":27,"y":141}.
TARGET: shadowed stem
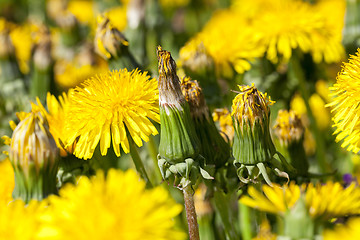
{"x":190,"y":213}
{"x":138,"y":163}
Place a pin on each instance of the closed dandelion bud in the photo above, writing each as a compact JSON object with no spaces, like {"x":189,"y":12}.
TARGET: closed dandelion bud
{"x":198,"y":64}
{"x":34,"y":155}
{"x":112,"y":45}
{"x":214,"y":148}
{"x":253,"y":148}
{"x":290,"y":132}
{"x":179,"y":145}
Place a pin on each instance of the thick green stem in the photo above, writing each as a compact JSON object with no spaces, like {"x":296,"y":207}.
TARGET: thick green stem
{"x":245,"y":222}
{"x":296,"y":72}
{"x":224,"y":210}
{"x":191,"y":213}
{"x":138,"y":163}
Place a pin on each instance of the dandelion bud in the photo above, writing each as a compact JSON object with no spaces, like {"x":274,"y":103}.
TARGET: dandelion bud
{"x":179,"y":145}
{"x":34,"y":155}
{"x":253,"y":148}
{"x":214,"y":148}
{"x":290,"y":131}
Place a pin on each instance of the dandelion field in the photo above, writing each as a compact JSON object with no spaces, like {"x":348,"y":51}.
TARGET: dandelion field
{"x":180,"y":119}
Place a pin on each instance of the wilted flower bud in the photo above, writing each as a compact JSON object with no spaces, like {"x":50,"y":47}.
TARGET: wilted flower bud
{"x":290,"y":131}
{"x":214,"y":148}
{"x":34,"y":155}
{"x":179,"y":145}
{"x":253,"y":148}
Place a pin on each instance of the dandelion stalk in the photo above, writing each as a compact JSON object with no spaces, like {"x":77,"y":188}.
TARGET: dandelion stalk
{"x":139,"y":164}
{"x":296,"y":72}
{"x":191,"y":213}
{"x":245,"y":223}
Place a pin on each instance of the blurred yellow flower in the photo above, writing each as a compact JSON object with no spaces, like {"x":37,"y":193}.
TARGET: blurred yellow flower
{"x":83,"y":10}
{"x":229,"y":40}
{"x":323,"y":201}
{"x":117,"y":17}
{"x":19,"y":221}
{"x":115,"y":207}
{"x":110,"y":106}
{"x":350,"y":230}
{"x":345,"y":104}
{"x":223,"y":116}
{"x":7,"y":180}
{"x":288,"y":127}
{"x":276,"y":200}
{"x":173,"y":4}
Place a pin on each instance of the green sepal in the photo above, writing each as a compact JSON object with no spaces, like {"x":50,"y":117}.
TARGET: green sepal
{"x":253,"y":144}
{"x":184,"y":173}
{"x":178,"y":139}
{"x":36,"y":183}
{"x":214,"y":148}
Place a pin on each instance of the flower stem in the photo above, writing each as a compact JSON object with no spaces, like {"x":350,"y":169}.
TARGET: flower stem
{"x":190,"y":213}
{"x":224,"y":210}
{"x":245,"y":222}
{"x":138,"y":163}
{"x":296,"y":72}
{"x":153,"y":150}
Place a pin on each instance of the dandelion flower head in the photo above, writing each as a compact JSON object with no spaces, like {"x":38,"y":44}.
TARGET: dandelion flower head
{"x":345,"y":105}
{"x":288,"y":126}
{"x":7,"y":180}
{"x":117,"y":206}
{"x":250,"y":105}
{"x":351,"y":230}
{"x":223,"y":116}
{"x":110,"y":106}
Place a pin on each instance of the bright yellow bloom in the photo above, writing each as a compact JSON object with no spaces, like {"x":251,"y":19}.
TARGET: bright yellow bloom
{"x":276,"y":200}
{"x":321,"y":114}
{"x":229,"y":40}
{"x":351,"y":230}
{"x":288,"y":127}
{"x":56,"y":117}
{"x":110,"y":106}
{"x":7,"y":181}
{"x":332,"y":200}
{"x":223,"y":116}
{"x":251,"y":105}
{"x":284,"y":25}
{"x":115,"y":207}
{"x":322,"y":200}
{"x":20,"y":222}
{"x":117,"y":17}
{"x":70,"y":74}
{"x":83,"y":10}
{"x":345,"y":104}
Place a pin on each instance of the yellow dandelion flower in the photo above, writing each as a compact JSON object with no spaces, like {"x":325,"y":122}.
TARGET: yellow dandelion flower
{"x":70,"y":74}
{"x":345,"y":104}
{"x":117,"y":206}
{"x":56,"y":118}
{"x":296,"y":24}
{"x":110,"y":106}
{"x":321,"y":114}
{"x":323,"y":201}
{"x":351,"y":230}
{"x":117,"y":17}
{"x":288,"y":127}
{"x":223,"y":116}
{"x":251,"y":105}
{"x":276,"y":200}
{"x":229,"y":40}
{"x":22,"y":39}
{"x":7,"y":180}
{"x":332,"y":200}
{"x":83,"y":10}
{"x":21,"y":222}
